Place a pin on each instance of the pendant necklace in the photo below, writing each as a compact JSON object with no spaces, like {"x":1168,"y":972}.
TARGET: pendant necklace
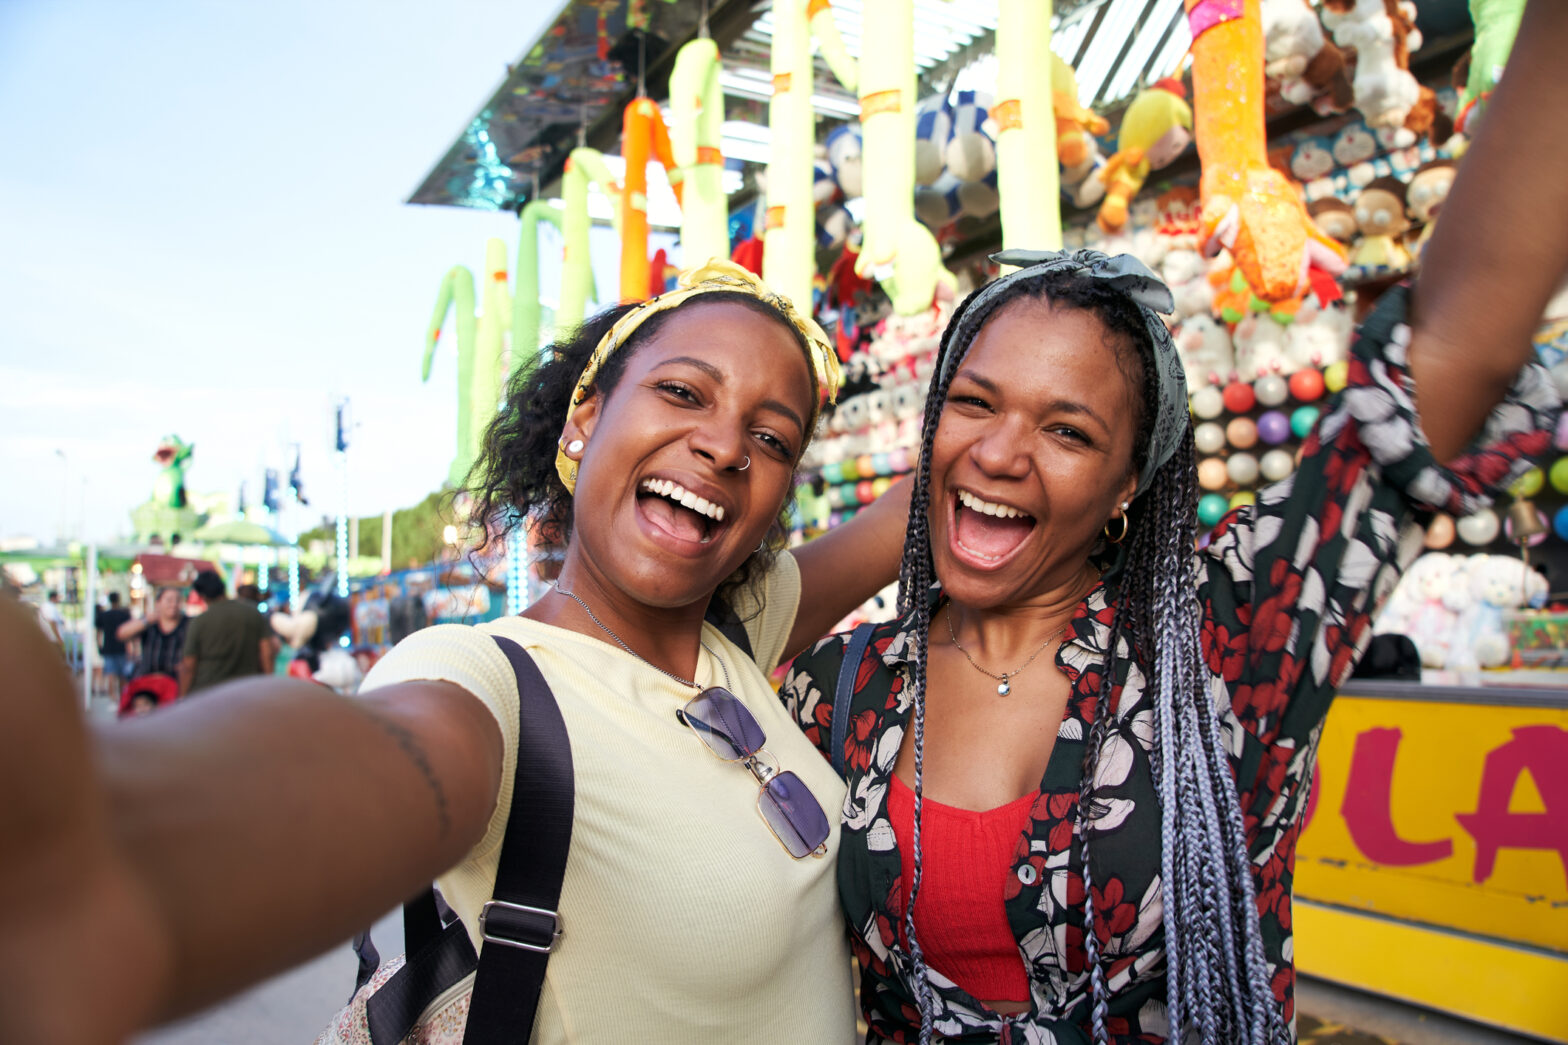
{"x":1005,"y":685}
{"x":622,"y":643}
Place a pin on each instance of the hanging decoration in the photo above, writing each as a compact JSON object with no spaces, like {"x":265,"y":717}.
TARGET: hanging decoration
{"x":525,"y":302}
{"x":643,"y":137}
{"x":1249,"y":208}
{"x":1027,"y":126}
{"x":583,"y":167}
{"x":480,"y":344}
{"x":696,"y":126}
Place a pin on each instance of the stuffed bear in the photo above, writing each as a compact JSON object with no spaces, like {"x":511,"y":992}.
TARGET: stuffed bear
{"x":1259,"y":341}
{"x":1207,"y":355}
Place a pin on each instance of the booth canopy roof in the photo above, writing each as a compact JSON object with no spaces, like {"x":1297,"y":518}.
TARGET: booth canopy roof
{"x":575,"y":79}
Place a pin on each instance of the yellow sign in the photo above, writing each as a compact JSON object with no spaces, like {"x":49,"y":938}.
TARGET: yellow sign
{"x":1450,"y":815}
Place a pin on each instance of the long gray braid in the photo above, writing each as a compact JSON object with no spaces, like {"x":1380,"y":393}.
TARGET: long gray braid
{"x":1217,"y":975}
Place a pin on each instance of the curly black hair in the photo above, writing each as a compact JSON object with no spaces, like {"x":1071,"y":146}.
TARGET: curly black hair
{"x":514,"y":479}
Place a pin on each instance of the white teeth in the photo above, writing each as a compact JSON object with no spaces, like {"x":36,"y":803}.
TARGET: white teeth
{"x":685,"y":498}
{"x":975,"y":504}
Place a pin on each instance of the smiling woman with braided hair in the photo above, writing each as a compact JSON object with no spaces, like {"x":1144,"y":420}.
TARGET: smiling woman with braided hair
{"x":1098,"y":851}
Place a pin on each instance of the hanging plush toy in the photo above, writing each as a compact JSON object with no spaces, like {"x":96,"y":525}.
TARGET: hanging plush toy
{"x":789,"y":234}
{"x":1155,"y":129}
{"x":696,"y":126}
{"x":1249,"y":207}
{"x":1076,"y":126}
{"x":1383,"y":34}
{"x":1424,"y":195}
{"x":933,"y":128}
{"x":1030,"y":126}
{"x":1496,"y":25}
{"x":525,"y":301}
{"x":480,"y":345}
{"x":583,"y":166}
{"x":1306,"y":65}
{"x":1380,"y":214}
{"x":643,"y":137}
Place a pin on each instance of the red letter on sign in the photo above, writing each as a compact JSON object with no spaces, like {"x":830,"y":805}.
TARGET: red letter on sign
{"x":1367,"y":808}
{"x":1542,"y":751}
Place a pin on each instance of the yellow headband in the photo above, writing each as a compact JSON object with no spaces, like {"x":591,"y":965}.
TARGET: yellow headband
{"x":716,"y":275}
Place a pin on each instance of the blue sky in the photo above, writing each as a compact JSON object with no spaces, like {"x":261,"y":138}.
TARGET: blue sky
{"x":202,"y":232}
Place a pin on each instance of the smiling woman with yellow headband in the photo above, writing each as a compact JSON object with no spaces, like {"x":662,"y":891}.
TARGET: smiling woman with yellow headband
{"x":273,"y":819}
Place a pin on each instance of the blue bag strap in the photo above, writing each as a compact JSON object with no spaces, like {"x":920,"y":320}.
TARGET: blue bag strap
{"x":843,"y":692}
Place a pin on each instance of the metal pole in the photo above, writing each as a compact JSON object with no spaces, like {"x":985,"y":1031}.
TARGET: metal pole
{"x":386,"y":541}
{"x":89,"y":610}
{"x":342,"y":549}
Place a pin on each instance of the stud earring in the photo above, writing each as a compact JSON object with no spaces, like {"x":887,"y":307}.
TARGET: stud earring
{"x":575,"y":446}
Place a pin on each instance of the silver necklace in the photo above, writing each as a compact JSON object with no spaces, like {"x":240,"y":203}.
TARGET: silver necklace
{"x":1005,"y":678}
{"x":621,"y":643}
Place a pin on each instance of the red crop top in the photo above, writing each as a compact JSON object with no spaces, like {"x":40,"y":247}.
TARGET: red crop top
{"x":964,"y":932}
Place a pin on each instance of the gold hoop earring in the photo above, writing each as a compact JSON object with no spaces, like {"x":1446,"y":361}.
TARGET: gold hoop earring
{"x":1121,"y":536}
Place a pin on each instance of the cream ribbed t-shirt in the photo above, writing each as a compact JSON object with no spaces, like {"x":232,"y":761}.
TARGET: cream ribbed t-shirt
{"x":685,"y":920}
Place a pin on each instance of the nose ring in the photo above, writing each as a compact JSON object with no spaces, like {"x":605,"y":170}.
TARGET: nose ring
{"x":745,"y":466}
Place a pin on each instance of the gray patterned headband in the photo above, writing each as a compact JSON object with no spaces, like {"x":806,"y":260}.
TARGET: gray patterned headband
{"x":1126,"y":275}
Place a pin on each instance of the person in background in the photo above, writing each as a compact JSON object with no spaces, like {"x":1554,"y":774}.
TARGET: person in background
{"x":52,"y":619}
{"x":111,"y":647}
{"x":162,"y":635}
{"x":252,"y":594}
{"x":230,"y":641}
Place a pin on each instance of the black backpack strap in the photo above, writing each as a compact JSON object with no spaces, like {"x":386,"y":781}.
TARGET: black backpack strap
{"x":843,"y":692}
{"x":520,"y":924}
{"x":722,"y":616}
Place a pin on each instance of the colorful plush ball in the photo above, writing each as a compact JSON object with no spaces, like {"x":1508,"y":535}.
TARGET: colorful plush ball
{"x":1273,"y":427}
{"x":1479,"y":529}
{"x":1529,"y":484}
{"x":1306,"y":385}
{"x":880,"y":464}
{"x":1242,"y":433}
{"x":1209,"y":438}
{"x":879,"y":485}
{"x":1302,"y":420}
{"x":1242,"y":469}
{"x":1242,"y":498}
{"x":865,"y":466}
{"x":836,"y":497}
{"x":1271,"y":390}
{"x":1276,"y":464}
{"x":864,"y":494}
{"x":1208,"y":403}
{"x":1560,"y":440}
{"x":833,"y":473}
{"x":1440,"y":533}
{"x":1212,"y":508}
{"x":1336,"y":375}
{"x":1211,"y":473}
{"x":898,"y":460}
{"x":1560,"y":522}
{"x":1238,"y":398}
{"x":1559,"y":475}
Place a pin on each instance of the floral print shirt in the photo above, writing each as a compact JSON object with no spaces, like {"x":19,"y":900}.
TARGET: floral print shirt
{"x":1288,"y":589}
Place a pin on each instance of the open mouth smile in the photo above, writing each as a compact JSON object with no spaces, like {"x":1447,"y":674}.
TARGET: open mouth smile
{"x":984,"y":534}
{"x":678,"y":513}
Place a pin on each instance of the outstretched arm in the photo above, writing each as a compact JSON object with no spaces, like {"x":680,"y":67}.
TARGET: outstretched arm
{"x":177,"y":858}
{"x":847,"y":565}
{"x":1501,"y":248}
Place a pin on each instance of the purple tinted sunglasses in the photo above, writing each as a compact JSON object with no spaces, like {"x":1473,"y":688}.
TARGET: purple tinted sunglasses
{"x":786,"y":805}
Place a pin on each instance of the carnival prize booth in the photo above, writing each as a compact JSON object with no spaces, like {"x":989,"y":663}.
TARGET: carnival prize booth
{"x":872,"y":182}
